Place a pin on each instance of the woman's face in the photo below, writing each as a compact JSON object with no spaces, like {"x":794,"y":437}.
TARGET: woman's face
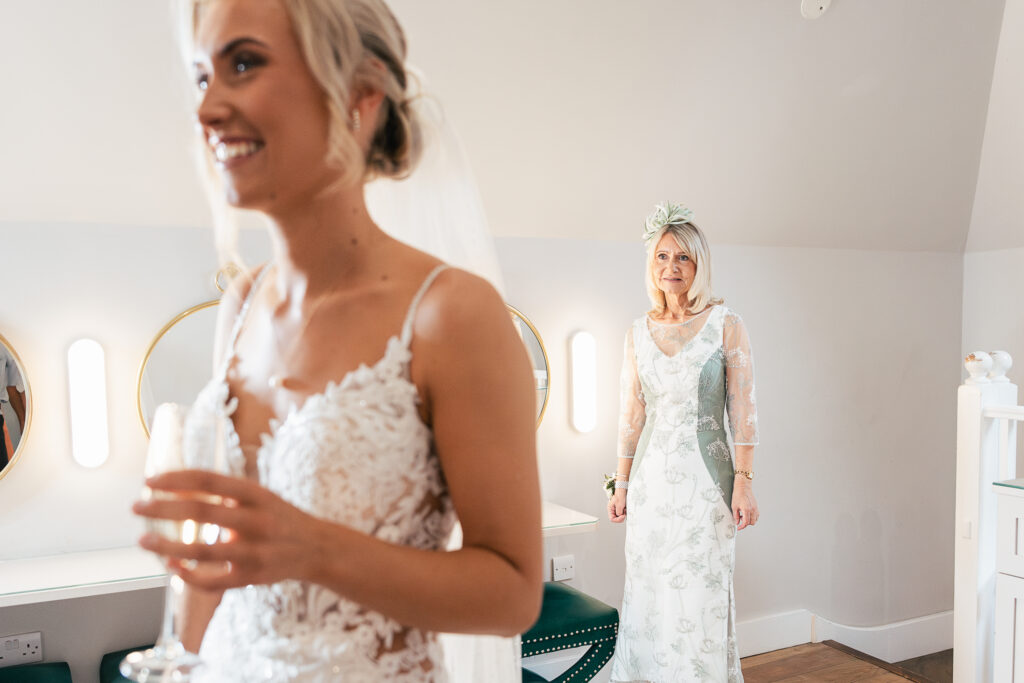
{"x":263,"y":116}
{"x":673,"y":268}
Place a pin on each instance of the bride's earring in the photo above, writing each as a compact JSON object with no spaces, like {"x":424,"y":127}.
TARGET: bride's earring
{"x":356,"y":120}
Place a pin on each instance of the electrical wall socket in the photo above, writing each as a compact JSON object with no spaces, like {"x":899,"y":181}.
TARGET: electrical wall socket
{"x":563,"y":567}
{"x":23,"y":648}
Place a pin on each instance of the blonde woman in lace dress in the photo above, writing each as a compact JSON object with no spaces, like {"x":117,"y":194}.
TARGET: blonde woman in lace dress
{"x":367,"y":393}
{"x":687,"y":363}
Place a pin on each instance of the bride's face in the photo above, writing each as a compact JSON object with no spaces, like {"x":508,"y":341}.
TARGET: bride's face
{"x":262,"y":115}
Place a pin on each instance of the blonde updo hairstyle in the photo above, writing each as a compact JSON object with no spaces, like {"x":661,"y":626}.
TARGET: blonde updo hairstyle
{"x":691,"y":240}
{"x":349,"y":46}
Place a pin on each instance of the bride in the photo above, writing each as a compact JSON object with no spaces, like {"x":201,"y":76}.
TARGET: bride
{"x":367,"y":393}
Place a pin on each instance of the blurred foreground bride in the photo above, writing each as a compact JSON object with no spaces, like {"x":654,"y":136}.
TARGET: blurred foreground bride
{"x":369,"y":394}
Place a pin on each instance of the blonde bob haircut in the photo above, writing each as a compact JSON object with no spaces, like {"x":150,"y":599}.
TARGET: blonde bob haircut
{"x":349,"y":46}
{"x":691,"y":240}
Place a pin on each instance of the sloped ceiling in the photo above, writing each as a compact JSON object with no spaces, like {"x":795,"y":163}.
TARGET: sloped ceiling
{"x":862,"y":129}
{"x":998,"y":218}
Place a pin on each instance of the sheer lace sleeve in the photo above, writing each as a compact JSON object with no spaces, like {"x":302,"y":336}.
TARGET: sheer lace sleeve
{"x":739,"y":382}
{"x":632,"y":407}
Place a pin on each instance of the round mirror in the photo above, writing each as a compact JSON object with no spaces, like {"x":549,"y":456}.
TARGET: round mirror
{"x":179,"y":360}
{"x":538,"y":357}
{"x":15,"y":406}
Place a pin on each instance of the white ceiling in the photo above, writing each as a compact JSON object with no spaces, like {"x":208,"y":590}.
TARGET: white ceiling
{"x":862,"y":129}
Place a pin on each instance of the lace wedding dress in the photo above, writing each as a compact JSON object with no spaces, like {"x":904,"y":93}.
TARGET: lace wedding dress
{"x":356,"y":454}
{"x":678,"y":617}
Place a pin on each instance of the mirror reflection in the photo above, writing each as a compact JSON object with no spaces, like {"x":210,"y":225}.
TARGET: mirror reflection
{"x":177,"y":364}
{"x":178,"y":361}
{"x":538,"y":357}
{"x":15,"y":408}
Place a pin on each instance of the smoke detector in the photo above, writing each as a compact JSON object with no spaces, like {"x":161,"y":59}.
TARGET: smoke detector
{"x":812,"y":9}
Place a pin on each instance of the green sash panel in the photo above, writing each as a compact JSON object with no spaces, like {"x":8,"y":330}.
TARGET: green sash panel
{"x":714,"y":444}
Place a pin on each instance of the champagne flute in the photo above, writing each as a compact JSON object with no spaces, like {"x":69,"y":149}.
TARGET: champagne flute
{"x":168,"y":660}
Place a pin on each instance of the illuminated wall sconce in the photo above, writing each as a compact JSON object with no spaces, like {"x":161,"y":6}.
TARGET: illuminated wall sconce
{"x":584,"y":381}
{"x":87,"y":386}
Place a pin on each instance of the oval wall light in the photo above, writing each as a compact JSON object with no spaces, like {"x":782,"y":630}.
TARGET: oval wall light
{"x":583,"y":349}
{"x":87,"y":388}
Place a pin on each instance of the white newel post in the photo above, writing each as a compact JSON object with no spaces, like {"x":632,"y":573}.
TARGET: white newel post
{"x":977,"y":466}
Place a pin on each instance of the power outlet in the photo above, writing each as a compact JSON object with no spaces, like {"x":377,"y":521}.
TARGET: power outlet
{"x":23,"y":648}
{"x":563,"y":567}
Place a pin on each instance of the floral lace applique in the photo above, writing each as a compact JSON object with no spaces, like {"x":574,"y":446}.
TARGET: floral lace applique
{"x":356,"y":454}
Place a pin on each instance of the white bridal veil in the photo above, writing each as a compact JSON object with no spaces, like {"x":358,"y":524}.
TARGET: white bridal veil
{"x":438,"y":210}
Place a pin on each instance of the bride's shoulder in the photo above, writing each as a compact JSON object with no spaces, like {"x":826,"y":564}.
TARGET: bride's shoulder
{"x":458,"y":301}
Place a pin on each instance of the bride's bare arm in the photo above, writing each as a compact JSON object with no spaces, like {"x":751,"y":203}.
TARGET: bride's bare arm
{"x":476,"y":382}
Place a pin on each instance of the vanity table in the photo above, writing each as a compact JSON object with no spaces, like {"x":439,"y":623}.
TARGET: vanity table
{"x":100,"y":572}
{"x":557,"y":520}
{"x":78,"y":575}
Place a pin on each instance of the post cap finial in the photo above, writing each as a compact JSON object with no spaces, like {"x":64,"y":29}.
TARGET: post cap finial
{"x":978,"y":364}
{"x":1001,"y":362}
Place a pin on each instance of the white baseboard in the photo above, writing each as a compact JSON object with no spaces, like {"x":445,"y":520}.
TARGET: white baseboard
{"x":889,"y":642}
{"x":892,"y":642}
{"x":774,"y":632}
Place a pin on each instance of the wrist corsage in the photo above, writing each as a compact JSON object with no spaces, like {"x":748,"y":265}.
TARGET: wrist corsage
{"x":614,"y":481}
{"x":609,"y":485}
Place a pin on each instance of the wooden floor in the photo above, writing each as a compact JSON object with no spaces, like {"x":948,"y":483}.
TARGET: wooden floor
{"x":827,"y":662}
{"x":934,"y":668}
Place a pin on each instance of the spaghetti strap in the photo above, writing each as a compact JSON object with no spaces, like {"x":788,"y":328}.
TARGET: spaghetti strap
{"x":411,"y":315}
{"x":236,"y":330}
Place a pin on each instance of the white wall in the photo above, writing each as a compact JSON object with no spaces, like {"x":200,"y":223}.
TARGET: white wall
{"x":993,"y":281}
{"x":861,"y":129}
{"x":854,"y":474}
{"x":996,"y":221}
{"x":994,"y":262}
{"x":117,"y":285}
{"x":82,"y":630}
{"x":855,"y":355}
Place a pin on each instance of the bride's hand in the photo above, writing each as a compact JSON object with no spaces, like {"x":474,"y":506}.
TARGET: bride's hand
{"x":265,"y":539}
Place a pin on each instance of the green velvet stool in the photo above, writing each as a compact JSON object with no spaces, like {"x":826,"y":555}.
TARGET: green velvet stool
{"x":51,"y":672}
{"x":109,"y":672}
{"x":569,"y":618}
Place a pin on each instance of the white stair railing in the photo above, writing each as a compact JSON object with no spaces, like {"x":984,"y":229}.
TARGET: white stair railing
{"x":987,"y":417}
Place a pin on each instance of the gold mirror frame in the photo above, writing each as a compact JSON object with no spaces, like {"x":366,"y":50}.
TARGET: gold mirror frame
{"x":544,"y":352}
{"x":29,"y":408}
{"x":149,"y":352}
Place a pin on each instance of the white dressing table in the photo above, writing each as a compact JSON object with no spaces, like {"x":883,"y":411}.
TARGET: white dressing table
{"x":99,"y":572}
{"x":78,"y":575}
{"x":557,"y":520}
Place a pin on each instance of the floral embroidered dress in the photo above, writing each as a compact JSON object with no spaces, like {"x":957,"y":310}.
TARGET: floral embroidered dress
{"x":678,"y":381}
{"x":357,"y":454}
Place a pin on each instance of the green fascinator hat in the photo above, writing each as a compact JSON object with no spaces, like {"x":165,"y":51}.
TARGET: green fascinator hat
{"x":664,"y":214}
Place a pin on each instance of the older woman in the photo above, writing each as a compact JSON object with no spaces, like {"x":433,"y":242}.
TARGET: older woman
{"x":686,"y":363}
{"x":368,"y":393}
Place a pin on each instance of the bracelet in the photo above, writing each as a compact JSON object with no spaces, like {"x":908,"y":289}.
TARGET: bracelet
{"x":623,"y":476}
{"x":622,"y":484}
{"x":749,"y":474}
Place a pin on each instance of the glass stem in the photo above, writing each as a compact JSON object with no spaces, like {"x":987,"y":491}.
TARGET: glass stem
{"x":168,"y":633}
